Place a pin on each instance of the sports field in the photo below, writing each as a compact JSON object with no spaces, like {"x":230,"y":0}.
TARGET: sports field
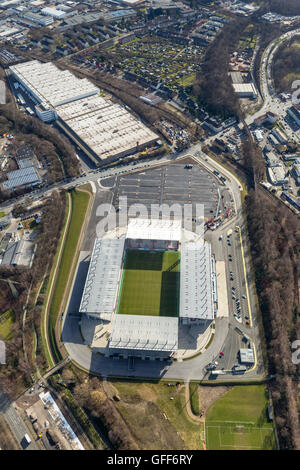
{"x":238,"y":421}
{"x":150,"y":283}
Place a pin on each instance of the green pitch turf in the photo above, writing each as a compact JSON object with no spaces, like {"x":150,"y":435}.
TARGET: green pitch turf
{"x":238,"y":421}
{"x":150,"y":283}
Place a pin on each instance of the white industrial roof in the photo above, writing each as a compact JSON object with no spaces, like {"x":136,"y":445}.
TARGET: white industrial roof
{"x":107,"y":128}
{"x":21,"y":177}
{"x":101,"y":286}
{"x":154,"y":229}
{"x":196,"y":296}
{"x":244,"y":88}
{"x":9,"y":31}
{"x":53,"y":12}
{"x":144,"y":332}
{"x":277,"y":174}
{"x":51,"y":84}
{"x":25,"y":163}
{"x":19,"y":253}
{"x":259,"y":135}
{"x":247,"y":356}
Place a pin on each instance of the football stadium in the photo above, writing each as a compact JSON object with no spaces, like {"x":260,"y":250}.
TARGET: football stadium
{"x":144,"y":285}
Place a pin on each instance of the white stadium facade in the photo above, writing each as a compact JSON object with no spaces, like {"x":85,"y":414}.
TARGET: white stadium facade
{"x":103,"y":129}
{"x":146,"y":336}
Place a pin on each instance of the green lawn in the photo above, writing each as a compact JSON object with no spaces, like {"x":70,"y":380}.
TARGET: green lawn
{"x":79,"y":205}
{"x":238,"y":420}
{"x":6,"y":321}
{"x":188,"y":79}
{"x":150,"y":282}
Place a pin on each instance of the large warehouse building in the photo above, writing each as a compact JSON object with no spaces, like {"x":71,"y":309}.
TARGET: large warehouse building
{"x":148,"y":284}
{"x":104,"y":130}
{"x":245,"y":90}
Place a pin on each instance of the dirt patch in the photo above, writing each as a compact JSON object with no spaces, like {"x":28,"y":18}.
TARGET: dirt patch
{"x":147,"y":393}
{"x":208,"y":396}
{"x":25,"y":401}
{"x":109,"y":389}
{"x":150,"y":427}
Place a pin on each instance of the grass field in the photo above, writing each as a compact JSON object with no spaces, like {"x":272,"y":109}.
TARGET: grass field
{"x":6,"y":321}
{"x":150,"y":283}
{"x":238,"y":421}
{"x":79,"y":206}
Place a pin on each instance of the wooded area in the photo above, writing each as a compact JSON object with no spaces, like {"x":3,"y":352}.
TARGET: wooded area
{"x":213,"y":86}
{"x":284,"y":7}
{"x":274,"y":233}
{"x":286,"y":66}
{"x":47,"y":140}
{"x":92,"y":397}
{"x":17,"y":373}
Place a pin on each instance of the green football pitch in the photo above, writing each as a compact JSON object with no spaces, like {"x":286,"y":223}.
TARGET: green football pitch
{"x":150,"y":283}
{"x":238,"y":421}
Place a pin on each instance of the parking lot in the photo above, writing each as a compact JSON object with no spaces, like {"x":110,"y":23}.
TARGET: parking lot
{"x":168,"y":184}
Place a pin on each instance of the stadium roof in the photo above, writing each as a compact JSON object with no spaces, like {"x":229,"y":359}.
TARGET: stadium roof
{"x":154,"y":229}
{"x":196,"y":297}
{"x":21,"y":177}
{"x":101,"y":286}
{"x":144,"y":332}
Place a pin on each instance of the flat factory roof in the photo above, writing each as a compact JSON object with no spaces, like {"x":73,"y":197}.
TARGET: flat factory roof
{"x":25,"y":163}
{"x":143,"y":332}
{"x":21,"y":177}
{"x":108,"y":129}
{"x":244,"y":88}
{"x":101,"y":286}
{"x":53,"y":12}
{"x":196,"y":296}
{"x":277,"y":174}
{"x":19,"y":253}
{"x":52,"y":85}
